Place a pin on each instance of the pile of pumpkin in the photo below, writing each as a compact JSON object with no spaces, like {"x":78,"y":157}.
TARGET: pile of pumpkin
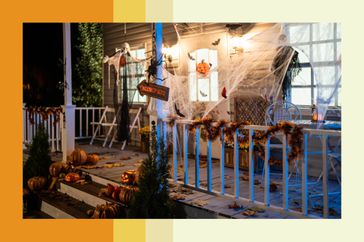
{"x":61,"y":170}
{"x":125,"y":192}
{"x":79,"y":157}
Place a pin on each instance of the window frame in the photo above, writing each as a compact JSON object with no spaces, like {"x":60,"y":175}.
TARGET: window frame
{"x":335,"y":62}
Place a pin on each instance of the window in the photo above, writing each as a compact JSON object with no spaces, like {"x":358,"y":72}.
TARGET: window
{"x":318,"y":44}
{"x":135,"y":74}
{"x":203,"y":88}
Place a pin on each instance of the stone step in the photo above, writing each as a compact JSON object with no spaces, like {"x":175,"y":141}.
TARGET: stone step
{"x":59,"y":205}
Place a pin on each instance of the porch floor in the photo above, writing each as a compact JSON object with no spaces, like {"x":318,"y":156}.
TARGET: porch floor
{"x":131,"y":158}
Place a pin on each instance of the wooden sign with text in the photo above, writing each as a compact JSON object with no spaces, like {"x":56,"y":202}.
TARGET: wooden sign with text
{"x":153,"y":90}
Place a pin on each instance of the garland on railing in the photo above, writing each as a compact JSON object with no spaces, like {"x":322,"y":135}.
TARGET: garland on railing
{"x":44,"y":112}
{"x":294,"y":135}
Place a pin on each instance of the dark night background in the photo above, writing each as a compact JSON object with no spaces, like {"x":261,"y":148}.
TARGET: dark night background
{"x":42,"y":63}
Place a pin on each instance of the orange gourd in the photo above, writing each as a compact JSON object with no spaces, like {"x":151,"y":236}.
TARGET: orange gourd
{"x":56,"y":168}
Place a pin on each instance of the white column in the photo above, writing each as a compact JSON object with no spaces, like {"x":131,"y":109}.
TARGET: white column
{"x":68,"y":129}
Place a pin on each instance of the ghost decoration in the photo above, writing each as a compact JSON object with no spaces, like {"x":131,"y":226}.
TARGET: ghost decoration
{"x":117,"y":60}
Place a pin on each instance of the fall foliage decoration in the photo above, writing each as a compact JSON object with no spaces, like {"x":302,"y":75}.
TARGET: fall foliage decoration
{"x":44,"y":112}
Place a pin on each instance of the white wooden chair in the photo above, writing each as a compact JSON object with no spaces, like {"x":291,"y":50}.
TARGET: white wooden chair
{"x":105,"y":123}
{"x":135,"y":125}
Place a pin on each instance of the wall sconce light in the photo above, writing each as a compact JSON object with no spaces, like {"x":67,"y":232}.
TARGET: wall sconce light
{"x":171,"y":52}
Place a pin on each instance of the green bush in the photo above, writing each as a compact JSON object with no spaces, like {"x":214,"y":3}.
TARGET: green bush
{"x":39,"y":159}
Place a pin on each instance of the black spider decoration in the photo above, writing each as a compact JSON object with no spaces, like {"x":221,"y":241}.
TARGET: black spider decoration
{"x":152,"y":69}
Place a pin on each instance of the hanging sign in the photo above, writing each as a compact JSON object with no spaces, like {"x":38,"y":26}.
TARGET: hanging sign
{"x":153,"y":90}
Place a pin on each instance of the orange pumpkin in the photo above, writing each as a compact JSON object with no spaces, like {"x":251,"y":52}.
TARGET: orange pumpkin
{"x":78,"y":157}
{"x":36,"y":183}
{"x":93,"y":158}
{"x":203,"y":67}
{"x":126,"y":194}
{"x":115,"y":194}
{"x":56,"y":168}
{"x":107,"y":210}
{"x":72,"y":177}
{"x":128,"y":177}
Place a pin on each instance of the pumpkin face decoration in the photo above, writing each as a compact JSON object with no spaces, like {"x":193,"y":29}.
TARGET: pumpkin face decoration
{"x":36,"y":183}
{"x":203,"y":67}
{"x":128,"y":177}
{"x":93,"y":158}
{"x":72,"y":177}
{"x":56,"y":168}
{"x":78,"y":157}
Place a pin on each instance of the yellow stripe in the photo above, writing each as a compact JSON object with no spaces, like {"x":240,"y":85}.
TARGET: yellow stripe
{"x":159,"y":230}
{"x":159,"y":10}
{"x":129,"y":11}
{"x":129,"y":230}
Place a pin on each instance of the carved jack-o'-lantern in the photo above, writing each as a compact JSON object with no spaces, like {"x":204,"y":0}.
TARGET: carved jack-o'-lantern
{"x":128,"y":177}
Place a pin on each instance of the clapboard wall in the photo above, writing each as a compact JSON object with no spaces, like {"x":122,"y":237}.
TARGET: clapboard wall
{"x":139,"y":35}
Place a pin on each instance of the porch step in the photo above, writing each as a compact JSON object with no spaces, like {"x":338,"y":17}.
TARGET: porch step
{"x":87,"y":193}
{"x":59,"y":205}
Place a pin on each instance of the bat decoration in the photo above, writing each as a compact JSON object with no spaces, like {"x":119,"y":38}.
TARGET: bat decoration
{"x":230,"y":113}
{"x":178,"y":112}
{"x":203,"y":94}
{"x":190,"y":56}
{"x":223,"y":92}
{"x":217,"y":42}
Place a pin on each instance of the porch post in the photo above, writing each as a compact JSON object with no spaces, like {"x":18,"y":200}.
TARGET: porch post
{"x":68,"y":129}
{"x":158,"y":54}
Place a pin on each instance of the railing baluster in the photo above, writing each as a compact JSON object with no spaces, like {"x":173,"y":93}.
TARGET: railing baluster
{"x":285,"y":204}
{"x":267,"y":173}
{"x":57,"y":131}
{"x":304,"y":176}
{"x":197,"y":160}
{"x":175,"y":161}
{"x":251,"y":166}
{"x":93,"y":120}
{"x":24,"y":126}
{"x":236,"y":165}
{"x":185,"y":148}
{"x":86,"y":135}
{"x":80,"y":123}
{"x":52,"y":120}
{"x":325,"y":177}
{"x":222,"y":162}
{"x":61,"y":124}
{"x":209,"y":165}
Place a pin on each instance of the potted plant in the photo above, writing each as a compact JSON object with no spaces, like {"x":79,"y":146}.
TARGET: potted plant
{"x":144,"y":140}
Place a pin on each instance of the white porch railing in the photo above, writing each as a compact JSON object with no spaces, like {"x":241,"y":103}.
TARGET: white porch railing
{"x":84,"y":116}
{"x":51,"y":125}
{"x":285,"y":166}
{"x":83,"y":129}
